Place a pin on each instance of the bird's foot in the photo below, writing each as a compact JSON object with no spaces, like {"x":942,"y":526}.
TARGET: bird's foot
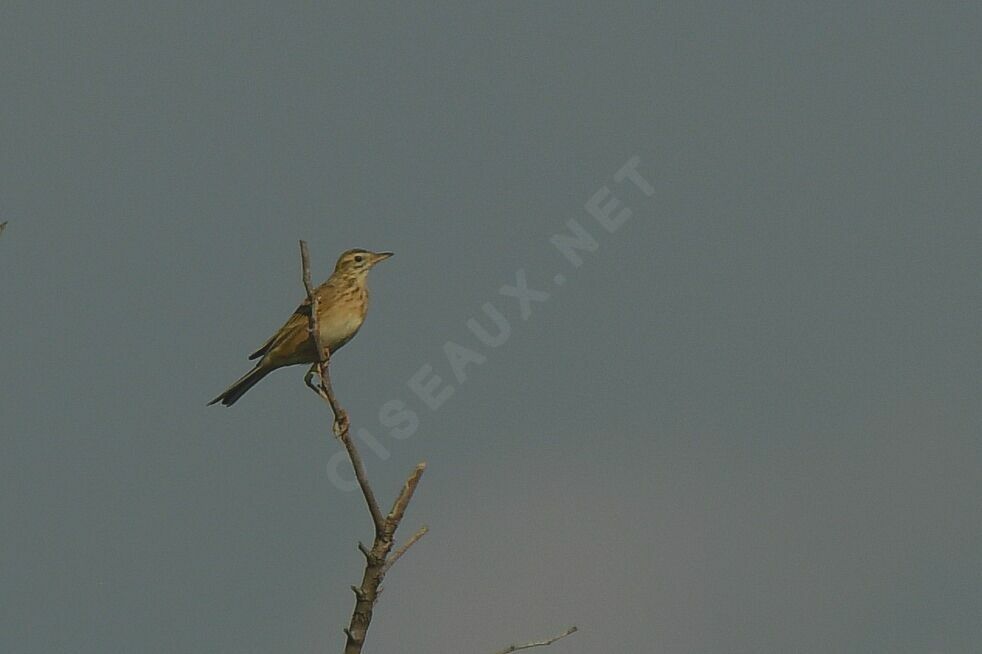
{"x":308,"y":379}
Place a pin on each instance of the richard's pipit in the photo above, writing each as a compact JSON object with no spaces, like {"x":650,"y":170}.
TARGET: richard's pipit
{"x":341,"y":302}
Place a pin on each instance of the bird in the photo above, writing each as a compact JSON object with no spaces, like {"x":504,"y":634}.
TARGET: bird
{"x":342,"y":305}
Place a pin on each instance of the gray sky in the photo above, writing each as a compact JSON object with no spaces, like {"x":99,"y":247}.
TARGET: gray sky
{"x":747,"y":423}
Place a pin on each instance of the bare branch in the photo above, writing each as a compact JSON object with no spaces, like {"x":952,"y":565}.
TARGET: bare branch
{"x":405,"y":548}
{"x":377,"y":559}
{"x":380,"y":558}
{"x":2,"y":225}
{"x":537,"y":643}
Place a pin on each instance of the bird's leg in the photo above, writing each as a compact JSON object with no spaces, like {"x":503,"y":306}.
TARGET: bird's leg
{"x":319,"y":368}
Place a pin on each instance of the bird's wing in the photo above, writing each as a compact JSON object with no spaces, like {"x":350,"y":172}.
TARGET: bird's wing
{"x":296,"y":321}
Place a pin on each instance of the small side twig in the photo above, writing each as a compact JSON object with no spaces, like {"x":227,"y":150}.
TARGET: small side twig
{"x":537,"y":643}
{"x":404,"y":548}
{"x":3,"y":225}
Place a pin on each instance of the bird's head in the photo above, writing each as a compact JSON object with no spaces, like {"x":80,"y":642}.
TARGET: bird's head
{"x":358,"y":261}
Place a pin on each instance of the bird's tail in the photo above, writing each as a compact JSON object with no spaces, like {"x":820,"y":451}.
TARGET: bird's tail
{"x":238,"y":389}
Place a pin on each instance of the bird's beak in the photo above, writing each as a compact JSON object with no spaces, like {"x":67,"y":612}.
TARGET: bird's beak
{"x":381,"y":256}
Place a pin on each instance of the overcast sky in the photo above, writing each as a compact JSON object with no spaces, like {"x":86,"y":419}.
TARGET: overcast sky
{"x":747,"y":422}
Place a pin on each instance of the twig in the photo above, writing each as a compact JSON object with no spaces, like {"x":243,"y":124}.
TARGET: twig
{"x":405,"y":548}
{"x":2,"y":225}
{"x":537,"y":643}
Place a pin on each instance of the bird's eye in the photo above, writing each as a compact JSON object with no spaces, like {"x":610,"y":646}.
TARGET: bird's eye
{"x":359,"y":258}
